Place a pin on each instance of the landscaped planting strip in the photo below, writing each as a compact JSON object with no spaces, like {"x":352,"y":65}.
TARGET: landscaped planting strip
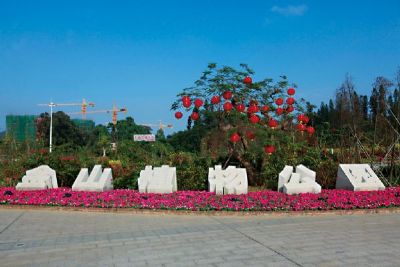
{"x":205,"y":201}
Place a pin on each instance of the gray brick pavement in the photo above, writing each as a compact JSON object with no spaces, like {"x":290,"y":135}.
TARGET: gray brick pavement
{"x":58,"y":238}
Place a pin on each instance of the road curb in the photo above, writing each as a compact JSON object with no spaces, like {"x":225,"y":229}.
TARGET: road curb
{"x":204,"y":213}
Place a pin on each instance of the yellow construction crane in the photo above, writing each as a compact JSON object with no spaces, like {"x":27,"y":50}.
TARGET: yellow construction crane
{"x":114,"y":111}
{"x":160,"y":125}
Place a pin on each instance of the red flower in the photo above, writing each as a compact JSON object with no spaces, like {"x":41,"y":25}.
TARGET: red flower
{"x":198,"y":103}
{"x":178,"y":115}
{"x":227,"y":95}
{"x":228,"y":106}
{"x":247,"y":80}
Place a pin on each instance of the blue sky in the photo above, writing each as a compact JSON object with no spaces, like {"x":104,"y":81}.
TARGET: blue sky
{"x":140,"y":54}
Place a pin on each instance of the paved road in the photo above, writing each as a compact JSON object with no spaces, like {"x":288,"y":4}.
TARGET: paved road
{"x":67,"y":238}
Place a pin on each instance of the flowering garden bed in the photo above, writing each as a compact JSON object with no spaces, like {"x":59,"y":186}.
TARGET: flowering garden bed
{"x":204,"y":201}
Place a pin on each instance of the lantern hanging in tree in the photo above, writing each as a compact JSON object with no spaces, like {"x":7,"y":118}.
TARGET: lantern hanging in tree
{"x":291,"y":91}
{"x":215,"y":100}
{"x":247,"y":80}
{"x":253,"y":108}
{"x":269,"y":149}
{"x":186,"y":102}
{"x":289,"y":109}
{"x":301,"y":127}
{"x":228,"y":106}
{"x":265,"y":108}
{"x":279,"y":101}
{"x":273,"y":124}
{"x":227,"y":95}
{"x":254,"y":119}
{"x":178,"y":115}
{"x":279,"y":111}
{"x":198,"y":102}
{"x":290,"y":101}
{"x":195,"y":116}
{"x":300,"y":118}
{"x":250,"y":135}
{"x":235,"y":138}
{"x":240,"y":107}
{"x":310,"y":130}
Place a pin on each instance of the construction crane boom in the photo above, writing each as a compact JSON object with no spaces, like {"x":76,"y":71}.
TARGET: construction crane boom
{"x":114,"y":111}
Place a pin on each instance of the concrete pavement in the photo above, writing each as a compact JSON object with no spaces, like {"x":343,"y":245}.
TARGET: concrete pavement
{"x":73,"y":238}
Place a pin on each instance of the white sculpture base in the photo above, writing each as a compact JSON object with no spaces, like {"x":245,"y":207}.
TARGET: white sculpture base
{"x":358,"y":177}
{"x":98,"y":180}
{"x":158,"y":180}
{"x":232,"y":180}
{"x":301,"y":181}
{"x":42,"y":177}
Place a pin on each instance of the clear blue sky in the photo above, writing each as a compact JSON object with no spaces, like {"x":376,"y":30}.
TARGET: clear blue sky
{"x":140,"y":54}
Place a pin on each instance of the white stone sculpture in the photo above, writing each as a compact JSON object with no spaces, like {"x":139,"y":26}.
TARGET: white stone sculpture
{"x":158,"y":180}
{"x":232,"y":180}
{"x":301,"y":181}
{"x":99,"y":180}
{"x":357,"y":177}
{"x":42,"y":177}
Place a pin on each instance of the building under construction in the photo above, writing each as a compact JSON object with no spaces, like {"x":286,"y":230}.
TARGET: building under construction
{"x":21,"y":127}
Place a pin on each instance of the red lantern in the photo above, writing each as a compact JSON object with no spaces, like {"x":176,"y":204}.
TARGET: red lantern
{"x":291,"y":91}
{"x":227,"y":95}
{"x":186,"y":102}
{"x":273,"y":123}
{"x":290,"y":101}
{"x":306,"y":119}
{"x":254,"y":119}
{"x":301,"y":127}
{"x":178,"y":115}
{"x":310,"y":130}
{"x":279,"y":111}
{"x":253,"y":109}
{"x":250,"y":135}
{"x":279,"y":101}
{"x":235,"y":138}
{"x":265,"y":108}
{"x":215,"y":100}
{"x":240,"y":107}
{"x":289,"y":109}
{"x":300,"y":118}
{"x":269,"y":149}
{"x":228,"y":106}
{"x":195,"y":116}
{"x":247,"y":80}
{"x":198,"y":103}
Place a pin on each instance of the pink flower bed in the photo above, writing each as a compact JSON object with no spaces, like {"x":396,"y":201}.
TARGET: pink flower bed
{"x":201,"y":200}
